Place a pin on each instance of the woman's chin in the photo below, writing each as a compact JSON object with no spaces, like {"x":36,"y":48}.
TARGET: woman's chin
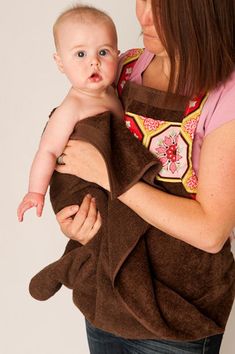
{"x":153,"y":45}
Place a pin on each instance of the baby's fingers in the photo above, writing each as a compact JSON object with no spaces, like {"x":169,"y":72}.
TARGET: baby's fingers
{"x":20,"y":215}
{"x":24,"y":206}
{"x":39,"y":209}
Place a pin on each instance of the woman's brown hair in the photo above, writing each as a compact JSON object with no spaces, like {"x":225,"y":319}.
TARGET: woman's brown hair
{"x":201,"y":34}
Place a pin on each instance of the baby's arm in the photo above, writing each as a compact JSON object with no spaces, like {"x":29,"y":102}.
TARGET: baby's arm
{"x":52,"y":144}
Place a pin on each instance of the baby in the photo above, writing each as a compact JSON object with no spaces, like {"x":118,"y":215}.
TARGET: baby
{"x":86,"y":52}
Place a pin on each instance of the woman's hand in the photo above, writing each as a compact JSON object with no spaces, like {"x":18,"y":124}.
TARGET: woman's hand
{"x":80,"y":223}
{"x":85,"y":161}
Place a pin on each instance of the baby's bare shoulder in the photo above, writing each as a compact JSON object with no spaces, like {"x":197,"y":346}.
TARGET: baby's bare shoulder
{"x":69,"y":109}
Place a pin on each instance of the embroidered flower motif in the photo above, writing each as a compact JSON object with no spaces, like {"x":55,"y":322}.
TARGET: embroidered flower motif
{"x":192,"y":104}
{"x":133,"y":127}
{"x":128,"y":124}
{"x":190,"y":127}
{"x":192,"y":182}
{"x":151,"y":124}
{"x":168,"y":153}
{"x":128,"y":71}
{"x":122,"y":83}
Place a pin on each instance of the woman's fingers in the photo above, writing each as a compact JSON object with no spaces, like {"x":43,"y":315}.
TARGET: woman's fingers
{"x":90,"y":221}
{"x":66,"y":213}
{"x":83,"y":160}
{"x":84,"y":220}
{"x":96,"y":226}
{"x":65,"y":219}
{"x":82,"y":213}
{"x":83,"y":224}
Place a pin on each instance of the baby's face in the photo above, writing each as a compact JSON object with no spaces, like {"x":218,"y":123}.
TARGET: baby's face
{"x":88,"y":54}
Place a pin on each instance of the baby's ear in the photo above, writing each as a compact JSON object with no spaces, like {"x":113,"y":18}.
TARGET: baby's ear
{"x":58,"y":61}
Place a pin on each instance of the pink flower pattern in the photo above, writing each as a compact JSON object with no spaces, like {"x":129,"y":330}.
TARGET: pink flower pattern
{"x":190,"y":127}
{"x":152,"y":124}
{"x":192,"y":181}
{"x":168,"y":153}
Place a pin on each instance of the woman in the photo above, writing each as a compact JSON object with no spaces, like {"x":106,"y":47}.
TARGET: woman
{"x":189,"y":55}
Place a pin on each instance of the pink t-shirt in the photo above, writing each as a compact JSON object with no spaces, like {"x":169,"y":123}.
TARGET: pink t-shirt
{"x":218,"y":109}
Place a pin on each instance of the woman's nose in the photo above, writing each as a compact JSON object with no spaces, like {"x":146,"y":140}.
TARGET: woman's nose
{"x":146,"y":17}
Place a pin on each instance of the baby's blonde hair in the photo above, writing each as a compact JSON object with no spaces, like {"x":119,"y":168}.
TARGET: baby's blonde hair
{"x":83,"y":13}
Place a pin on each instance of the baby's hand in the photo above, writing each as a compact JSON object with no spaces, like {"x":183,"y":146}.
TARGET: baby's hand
{"x":31,"y":200}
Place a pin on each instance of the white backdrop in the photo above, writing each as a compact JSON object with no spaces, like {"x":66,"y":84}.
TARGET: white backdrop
{"x":30,"y":87}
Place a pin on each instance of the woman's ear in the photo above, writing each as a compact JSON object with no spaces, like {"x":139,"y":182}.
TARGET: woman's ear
{"x":58,"y":61}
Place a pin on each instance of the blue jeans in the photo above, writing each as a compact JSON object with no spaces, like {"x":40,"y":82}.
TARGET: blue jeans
{"x":101,"y":342}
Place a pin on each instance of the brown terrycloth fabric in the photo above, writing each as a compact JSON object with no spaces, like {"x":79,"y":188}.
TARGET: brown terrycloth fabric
{"x":132,"y":279}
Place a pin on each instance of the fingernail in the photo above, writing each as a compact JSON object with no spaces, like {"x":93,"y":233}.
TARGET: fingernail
{"x":74,"y":208}
{"x":88,"y":195}
{"x":93,"y":200}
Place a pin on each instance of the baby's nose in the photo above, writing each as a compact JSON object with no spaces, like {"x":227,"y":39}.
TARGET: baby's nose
{"x":95,"y":62}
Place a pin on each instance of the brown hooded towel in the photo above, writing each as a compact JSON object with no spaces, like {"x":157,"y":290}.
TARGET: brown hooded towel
{"x":132,"y":279}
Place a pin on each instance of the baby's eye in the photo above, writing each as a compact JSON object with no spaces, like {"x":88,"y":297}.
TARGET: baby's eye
{"x":81,"y":54}
{"x":103,"y":52}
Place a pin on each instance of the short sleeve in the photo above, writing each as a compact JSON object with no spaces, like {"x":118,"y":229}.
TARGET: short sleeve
{"x":218,"y":110}
{"x":221,"y":106}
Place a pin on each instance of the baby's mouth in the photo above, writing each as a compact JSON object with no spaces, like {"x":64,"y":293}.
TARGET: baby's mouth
{"x":95,"y":77}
